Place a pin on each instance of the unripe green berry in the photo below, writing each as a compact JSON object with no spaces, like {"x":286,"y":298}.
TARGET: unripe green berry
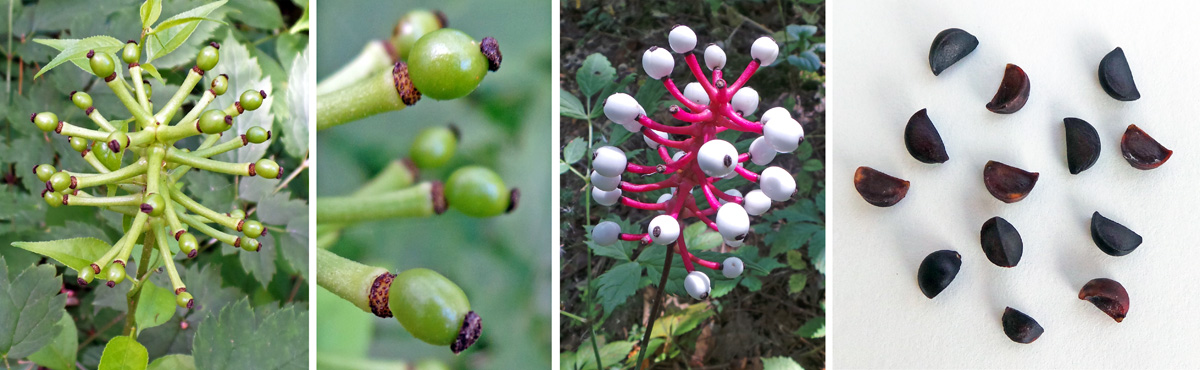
{"x":214,"y":121}
{"x":184,"y":300}
{"x":220,"y":84}
{"x":477,"y":191}
{"x":250,"y":245}
{"x":81,"y":100}
{"x":237,"y":214}
{"x":257,"y":135}
{"x":251,"y":99}
{"x":434,"y":147}
{"x":446,"y":64}
{"x":117,"y":141}
{"x":428,"y":305}
{"x":102,"y":64}
{"x":86,"y":276}
{"x":52,"y":198}
{"x":44,"y":171}
{"x":146,"y":86}
{"x":252,"y":228}
{"x":46,"y":121}
{"x":131,"y":53}
{"x":208,"y":57}
{"x":267,"y":168}
{"x":411,"y":27}
{"x":59,"y":181}
{"x":115,"y":274}
{"x":110,"y":160}
{"x":78,"y":143}
{"x":188,"y":244}
{"x":153,"y":204}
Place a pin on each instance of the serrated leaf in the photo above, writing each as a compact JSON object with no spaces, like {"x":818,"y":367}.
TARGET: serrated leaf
{"x":239,"y":337}
{"x":816,"y":251}
{"x":796,"y":282}
{"x":168,"y":35}
{"x":76,"y":51}
{"x":30,"y":308}
{"x":814,"y":328}
{"x":295,"y":124}
{"x":570,"y":106}
{"x":649,"y":94}
{"x":813,"y":165}
{"x":611,"y":354}
{"x":60,"y":353}
{"x":617,"y":284}
{"x":173,"y":362}
{"x":699,"y":237}
{"x":261,"y":14}
{"x":780,"y":363}
{"x":156,"y":306}
{"x":76,"y":253}
{"x":260,"y":264}
{"x":150,"y":11}
{"x":244,"y":74}
{"x":124,"y":353}
{"x":153,"y":72}
{"x":681,"y":322}
{"x":795,"y":260}
{"x":798,"y":32}
{"x":594,"y":75}
{"x":294,"y":245}
{"x":574,"y":150}
{"x":806,"y":60}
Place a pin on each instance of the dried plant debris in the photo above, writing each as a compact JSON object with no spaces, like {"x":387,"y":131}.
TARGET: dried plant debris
{"x":1142,"y":151}
{"x":950,"y":46}
{"x":1113,"y":238}
{"x":1001,"y":242}
{"x":1116,"y":78}
{"x":878,"y":188}
{"x":1108,"y":295}
{"x":1083,"y":145}
{"x":937,"y":270}
{"x":1007,"y":183}
{"x":922,"y":139}
{"x":1013,"y":91}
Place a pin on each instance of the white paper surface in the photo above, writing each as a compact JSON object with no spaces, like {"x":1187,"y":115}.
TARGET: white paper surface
{"x":879,"y":76}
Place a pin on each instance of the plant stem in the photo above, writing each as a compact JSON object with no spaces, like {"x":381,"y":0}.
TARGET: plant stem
{"x":374,"y":57}
{"x":98,"y":118}
{"x":70,"y":130}
{"x":87,"y":181}
{"x":191,"y":115}
{"x":165,"y":251}
{"x":139,"y":90}
{"x":191,"y":160}
{"x":370,"y":96}
{"x":168,"y":111}
{"x":662,"y":285}
{"x":587,"y":209}
{"x":422,"y":200}
{"x":207,"y":230}
{"x":226,"y":146}
{"x":143,"y":117}
{"x":134,"y":295}
{"x":201,"y":210}
{"x":347,"y":279}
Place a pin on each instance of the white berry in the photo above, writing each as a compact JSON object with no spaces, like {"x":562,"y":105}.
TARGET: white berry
{"x":697,"y":285}
{"x":622,"y":109}
{"x":663,"y":229}
{"x":745,"y":101}
{"x":783,"y":133}
{"x":772,"y":113}
{"x":663,"y":199}
{"x":609,"y":161}
{"x":677,"y":155}
{"x":605,"y":183}
{"x":606,"y":198}
{"x":717,"y":158}
{"x":606,"y":233}
{"x":714,"y":57}
{"x":732,"y":221}
{"x":694,"y":92}
{"x":682,"y":39}
{"x":756,"y":202}
{"x":732,"y":267}
{"x":733,"y":192}
{"x":761,"y":153}
{"x":658,"y":62}
{"x":734,"y":243}
{"x":777,"y":184}
{"x":654,"y":144}
{"x":765,"y":50}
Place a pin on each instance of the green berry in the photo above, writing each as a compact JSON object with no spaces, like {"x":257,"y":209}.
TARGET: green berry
{"x":110,"y":160}
{"x":86,"y":275}
{"x":411,"y":27}
{"x":257,"y":135}
{"x":153,"y":204}
{"x":252,"y":228}
{"x":102,"y":64}
{"x":477,"y":192}
{"x":220,"y":84}
{"x":78,"y":143}
{"x":208,"y":57}
{"x":267,"y":168}
{"x":184,"y":300}
{"x":434,"y":147}
{"x":117,"y":141}
{"x":214,"y":121}
{"x":115,"y":274}
{"x":46,"y":121}
{"x":53,"y":198}
{"x":237,"y":214}
{"x":44,"y":171}
{"x":250,"y":245}
{"x":146,"y":86}
{"x":446,"y":64}
{"x":81,"y":100}
{"x":188,"y":244}
{"x":131,"y":53}
{"x":60,"y":181}
{"x":428,"y":305}
{"x":251,"y":100}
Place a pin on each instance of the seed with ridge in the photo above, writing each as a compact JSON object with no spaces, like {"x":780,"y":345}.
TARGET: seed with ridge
{"x":1083,"y":145}
{"x":1020,"y":327}
{"x":1007,"y":183}
{"x":1113,"y":238}
{"x":1142,"y":151}
{"x":922,"y":139}
{"x":1013,"y":91}
{"x":1116,"y":78}
{"x":878,"y":188}
{"x":1108,"y":295}
{"x":1001,"y":242}
{"x":950,"y":46}
{"x":937,"y":270}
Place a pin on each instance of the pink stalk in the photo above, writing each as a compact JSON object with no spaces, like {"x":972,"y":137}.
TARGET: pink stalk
{"x":708,"y":196}
{"x":696,"y":71}
{"x":723,"y":195}
{"x":742,"y":158}
{"x":683,"y":161}
{"x":750,"y":69}
{"x":702,"y":262}
{"x":747,"y":174}
{"x":642,"y":188}
{"x":684,"y":254}
{"x":633,"y":237}
{"x":671,"y":88}
{"x":662,"y":152}
{"x":700,"y":214}
{"x":681,"y":115}
{"x":662,"y":140}
{"x":642,"y":205}
{"x":741,"y":124}
{"x":640,"y":169}
{"x":678,"y":130}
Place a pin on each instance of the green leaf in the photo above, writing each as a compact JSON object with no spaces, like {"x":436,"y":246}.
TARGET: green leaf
{"x":167,"y":37}
{"x":807,"y":60}
{"x":804,"y":151}
{"x":30,"y":308}
{"x":239,"y":337}
{"x":617,"y":284}
{"x":570,"y":106}
{"x":813,"y":165}
{"x":153,"y":72}
{"x":816,"y":251}
{"x":124,"y":353}
{"x":814,"y":328}
{"x":574,"y":150}
{"x":245,"y":74}
{"x":797,"y":282}
{"x":76,"y":51}
{"x":699,"y":237}
{"x":173,"y":362}
{"x":595,"y":73}
{"x":780,"y":363}
{"x":611,"y":354}
{"x":261,"y":14}
{"x":798,"y":32}
{"x":649,"y":94}
{"x":150,"y":11}
{"x":77,"y":253}
{"x":294,"y":122}
{"x":60,"y":353}
{"x":155,"y":306}
{"x":795,"y":260}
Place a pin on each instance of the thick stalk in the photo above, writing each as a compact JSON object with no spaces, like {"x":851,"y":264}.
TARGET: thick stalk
{"x":168,"y":111}
{"x":69,"y":130}
{"x":178,"y":172}
{"x":207,"y":230}
{"x":139,"y":89}
{"x":188,"y":159}
{"x":370,"y":96}
{"x":168,"y":261}
{"x":134,"y":295}
{"x":120,"y":200}
{"x":87,"y":181}
{"x":422,"y":200}
{"x":201,"y":210}
{"x":143,"y":117}
{"x":350,"y":280}
{"x":192,"y":115}
{"x":373,"y":58}
{"x":226,"y":146}
{"x":100,"y":121}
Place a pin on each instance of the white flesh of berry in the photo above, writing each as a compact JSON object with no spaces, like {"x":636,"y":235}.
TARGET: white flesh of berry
{"x":658,"y":62}
{"x":756,"y":202}
{"x":777,"y":184}
{"x":696,"y":285}
{"x":682,"y":39}
{"x":654,"y":144}
{"x":714,"y":57}
{"x":732,"y":221}
{"x":606,"y":198}
{"x":761,"y":153}
{"x":732,"y":267}
{"x":609,"y":161}
{"x":663,"y":229}
{"x":745,"y":101}
{"x":717,"y":158}
{"x":784,"y":134}
{"x":764,"y":50}
{"x":694,"y":92}
{"x":622,"y":109}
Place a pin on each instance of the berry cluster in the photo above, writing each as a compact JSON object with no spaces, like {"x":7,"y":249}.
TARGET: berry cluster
{"x":701,"y":159}
{"x":149,"y":189}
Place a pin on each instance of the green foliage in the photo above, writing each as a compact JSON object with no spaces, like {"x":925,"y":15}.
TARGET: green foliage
{"x":60,"y":353}
{"x":239,"y":337}
{"x":124,"y":353}
{"x":30,"y":307}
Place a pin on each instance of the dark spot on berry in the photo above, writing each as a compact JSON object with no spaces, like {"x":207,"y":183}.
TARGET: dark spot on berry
{"x":409,"y":94}
{"x":491,"y":51}
{"x":438,"y":193}
{"x":514,"y":197}
{"x":472,"y":328}
{"x":656,"y":232}
{"x":91,"y":53}
{"x":377,"y":298}
{"x":215,"y":45}
{"x":728,"y":161}
{"x":110,"y":284}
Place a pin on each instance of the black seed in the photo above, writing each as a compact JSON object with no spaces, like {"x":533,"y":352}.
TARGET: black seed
{"x":1001,"y":242}
{"x":878,"y":188}
{"x":1020,"y":327}
{"x":1142,"y":151}
{"x":1007,"y":183}
{"x":1107,"y":295}
{"x":949,"y":46}
{"x":937,"y":270}
{"x":1116,"y":78}
{"x":1013,"y":91}
{"x":1083,"y":145}
{"x":1113,"y":238}
{"x":923,"y":141}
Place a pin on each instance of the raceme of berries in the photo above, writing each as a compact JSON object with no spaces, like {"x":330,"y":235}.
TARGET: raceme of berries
{"x":148,"y":191}
{"x":700,"y":160}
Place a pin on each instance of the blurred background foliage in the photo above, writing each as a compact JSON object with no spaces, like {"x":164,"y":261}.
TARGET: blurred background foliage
{"x":501,"y":263}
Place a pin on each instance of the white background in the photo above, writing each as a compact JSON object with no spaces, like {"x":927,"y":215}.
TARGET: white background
{"x":879,"y":76}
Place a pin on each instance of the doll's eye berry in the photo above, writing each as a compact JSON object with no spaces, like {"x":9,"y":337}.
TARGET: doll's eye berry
{"x":878,"y":188}
{"x":478,"y":192}
{"x":219,"y":85}
{"x":447,"y":64}
{"x":1107,"y":295}
{"x":131,"y":52}
{"x":1007,"y":183}
{"x":101,"y":63}
{"x":1142,"y":151}
{"x":208,"y":57}
{"x":251,"y":100}
{"x":434,"y":147}
{"x":922,"y":140}
{"x":81,"y":100}
{"x":1083,"y":145}
{"x":1013,"y":91}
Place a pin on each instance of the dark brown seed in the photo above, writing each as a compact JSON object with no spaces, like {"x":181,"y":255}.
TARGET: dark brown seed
{"x":1083,"y":145}
{"x":937,"y":270}
{"x":1013,"y":91}
{"x":923,"y":141}
{"x":1007,"y":183}
{"x":1116,"y":78}
{"x":1113,"y":238}
{"x":1142,"y":151}
{"x":1020,"y":327}
{"x":878,"y":188}
{"x":1001,"y":242}
{"x":1108,"y":295}
{"x":950,"y":46}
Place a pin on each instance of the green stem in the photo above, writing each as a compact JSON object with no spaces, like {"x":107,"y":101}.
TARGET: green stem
{"x":139,"y":89}
{"x":397,"y":175}
{"x":164,"y":134}
{"x":587,"y":209}
{"x":120,"y":200}
{"x":135,"y":229}
{"x":143,"y":117}
{"x":201,"y":210}
{"x":347,"y":279}
{"x":165,"y":251}
{"x":226,"y":146}
{"x":207,"y":230}
{"x":373,"y":58}
{"x":134,"y":295}
{"x":416,"y":201}
{"x":70,"y":130}
{"x":168,"y":111}
{"x":370,"y":96}
{"x":154,"y":169}
{"x":193,"y":114}
{"x":172,"y":218}
{"x":91,"y":159}
{"x":188,"y":159}
{"x":100,"y":121}
{"x":178,"y":172}
{"x":112,"y":252}
{"x":87,"y":181}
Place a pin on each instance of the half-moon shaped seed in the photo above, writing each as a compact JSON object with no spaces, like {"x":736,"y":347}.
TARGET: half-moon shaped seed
{"x":1020,"y":327}
{"x":923,"y":141}
{"x":1013,"y":91}
{"x":1083,"y":145}
{"x":949,"y":46}
{"x":1116,"y":78}
{"x":1142,"y":151}
{"x":937,"y":270}
{"x":1113,"y":238}
{"x":1108,"y":295}
{"x":1001,"y":242}
{"x":1007,"y":183}
{"x":878,"y":188}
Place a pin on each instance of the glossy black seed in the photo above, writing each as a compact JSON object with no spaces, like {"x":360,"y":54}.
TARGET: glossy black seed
{"x":1116,"y":78}
{"x":923,"y":141}
{"x":937,"y":270}
{"x":878,"y":188}
{"x":1113,"y":238}
{"x":1108,"y":295}
{"x":950,"y":46}
{"x":1013,"y":91}
{"x":1142,"y":151}
{"x":1001,"y":242}
{"x":1020,"y":327}
{"x":1007,"y":183}
{"x":1083,"y":145}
